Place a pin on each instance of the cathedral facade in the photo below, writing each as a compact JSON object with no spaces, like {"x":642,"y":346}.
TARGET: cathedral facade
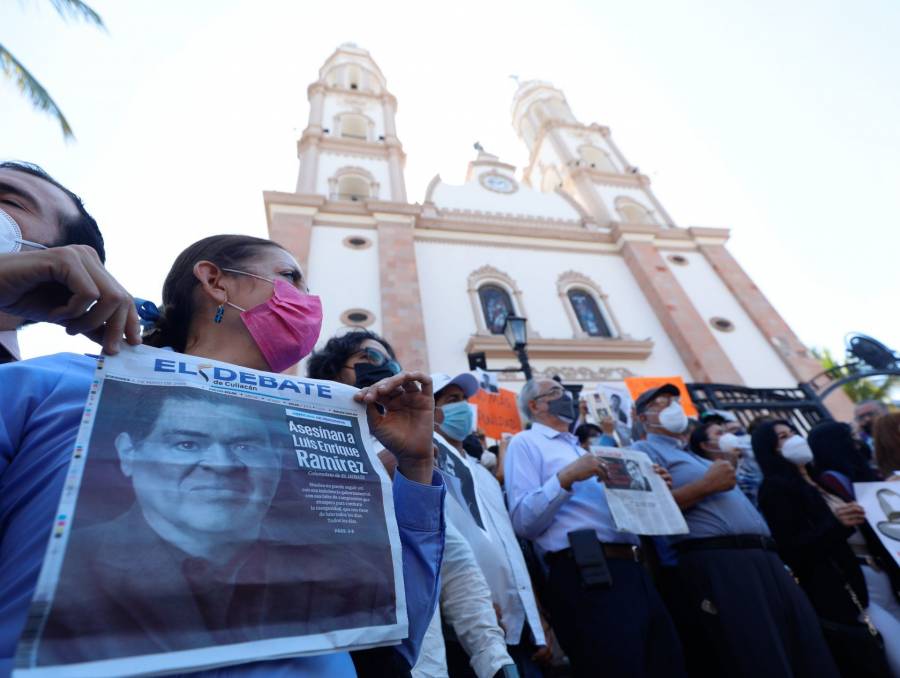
{"x":576,"y":242}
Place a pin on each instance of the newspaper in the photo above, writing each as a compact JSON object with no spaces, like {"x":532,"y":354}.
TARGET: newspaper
{"x":638,"y":498}
{"x":881,"y":502}
{"x":214,"y":515}
{"x":459,"y":479}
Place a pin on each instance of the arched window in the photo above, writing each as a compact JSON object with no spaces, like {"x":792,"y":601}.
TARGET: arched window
{"x":496,"y":305}
{"x":634,"y":213}
{"x":354,"y":126}
{"x":597,"y":158}
{"x":588,"y":313}
{"x":352,"y":187}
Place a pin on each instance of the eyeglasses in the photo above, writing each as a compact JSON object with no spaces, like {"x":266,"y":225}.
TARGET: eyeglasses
{"x":379,"y":359}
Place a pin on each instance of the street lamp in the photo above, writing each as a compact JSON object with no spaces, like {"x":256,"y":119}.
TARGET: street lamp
{"x":516,"y":334}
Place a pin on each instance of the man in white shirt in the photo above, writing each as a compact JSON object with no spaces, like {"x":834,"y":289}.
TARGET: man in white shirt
{"x":609,"y":620}
{"x":479,"y":512}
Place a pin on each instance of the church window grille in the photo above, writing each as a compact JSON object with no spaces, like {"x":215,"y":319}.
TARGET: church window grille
{"x":496,"y":305}
{"x":634,"y":213}
{"x":588,"y":313}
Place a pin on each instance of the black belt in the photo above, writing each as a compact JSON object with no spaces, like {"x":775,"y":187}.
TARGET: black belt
{"x":736,"y":541}
{"x":611,"y":551}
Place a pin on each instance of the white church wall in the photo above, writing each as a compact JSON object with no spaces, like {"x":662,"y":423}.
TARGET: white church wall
{"x":525,"y":201}
{"x":330,"y":163}
{"x":752,"y":356}
{"x":329,"y":262}
{"x":444,"y":269}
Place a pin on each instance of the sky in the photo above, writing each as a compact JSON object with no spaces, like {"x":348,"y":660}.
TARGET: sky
{"x":776,"y":120}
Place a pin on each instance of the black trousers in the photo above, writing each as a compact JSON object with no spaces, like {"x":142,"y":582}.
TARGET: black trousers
{"x":624,"y":630}
{"x":754,"y":615}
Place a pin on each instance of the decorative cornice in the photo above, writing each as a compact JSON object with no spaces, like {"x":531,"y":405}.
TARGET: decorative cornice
{"x":581,"y":374}
{"x":598,"y":176}
{"x":594,"y":348}
{"x":351,"y":147}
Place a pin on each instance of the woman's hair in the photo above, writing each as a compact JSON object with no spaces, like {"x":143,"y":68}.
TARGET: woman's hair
{"x":328,"y":362}
{"x":177,"y":311}
{"x":835,"y":449}
{"x":886,"y":433}
{"x":765,"y":449}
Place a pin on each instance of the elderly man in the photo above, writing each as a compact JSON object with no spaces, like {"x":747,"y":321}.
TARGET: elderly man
{"x":610,"y":623}
{"x":51,"y":264}
{"x":754,"y":615}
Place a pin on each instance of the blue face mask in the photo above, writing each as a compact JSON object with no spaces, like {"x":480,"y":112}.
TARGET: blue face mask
{"x":459,"y":420}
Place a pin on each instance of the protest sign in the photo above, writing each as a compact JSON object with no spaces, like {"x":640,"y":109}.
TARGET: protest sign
{"x":613,"y":400}
{"x":881,"y":502}
{"x":458,"y":476}
{"x":498,"y":412}
{"x":214,"y":515}
{"x":638,"y":498}
{"x":637,"y":385}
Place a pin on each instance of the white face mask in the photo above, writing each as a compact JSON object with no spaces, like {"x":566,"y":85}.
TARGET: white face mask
{"x":673,"y":418}
{"x":11,"y":236}
{"x":796,"y":450}
{"x":729,"y":442}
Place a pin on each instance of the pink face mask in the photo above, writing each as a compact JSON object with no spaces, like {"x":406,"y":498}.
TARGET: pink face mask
{"x":286,"y":327}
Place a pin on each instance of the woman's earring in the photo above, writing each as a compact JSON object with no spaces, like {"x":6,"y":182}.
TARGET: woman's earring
{"x":219,"y":313}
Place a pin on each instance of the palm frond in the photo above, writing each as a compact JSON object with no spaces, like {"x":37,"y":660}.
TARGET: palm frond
{"x":75,"y":9}
{"x":31,"y":88}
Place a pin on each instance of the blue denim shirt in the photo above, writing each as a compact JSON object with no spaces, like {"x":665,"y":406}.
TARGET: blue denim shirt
{"x":41,"y":402}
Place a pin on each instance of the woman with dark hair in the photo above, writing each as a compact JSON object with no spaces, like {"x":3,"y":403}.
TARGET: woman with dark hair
{"x":839,"y":461}
{"x":358,"y":357}
{"x":229,"y":298}
{"x":812,"y":540}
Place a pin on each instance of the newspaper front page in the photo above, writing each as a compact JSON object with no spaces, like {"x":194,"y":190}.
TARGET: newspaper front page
{"x":882,"y":504}
{"x":638,"y":498}
{"x":214,"y":515}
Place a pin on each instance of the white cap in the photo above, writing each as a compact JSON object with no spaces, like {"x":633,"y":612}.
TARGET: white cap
{"x":466,"y":381}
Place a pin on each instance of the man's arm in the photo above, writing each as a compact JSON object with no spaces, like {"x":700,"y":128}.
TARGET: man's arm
{"x":466,"y":605}
{"x":69,"y":286}
{"x":420,"y":516}
{"x":719,"y":477}
{"x":532,"y":504}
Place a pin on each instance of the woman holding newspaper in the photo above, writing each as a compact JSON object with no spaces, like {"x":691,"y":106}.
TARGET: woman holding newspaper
{"x":228,"y":299}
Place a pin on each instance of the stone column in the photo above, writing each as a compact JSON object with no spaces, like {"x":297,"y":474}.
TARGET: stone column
{"x":687,"y":329}
{"x":773,"y":327}
{"x":292,"y":230}
{"x":401,"y":301}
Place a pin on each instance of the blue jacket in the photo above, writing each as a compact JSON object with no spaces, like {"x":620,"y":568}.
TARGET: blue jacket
{"x":41,"y":403}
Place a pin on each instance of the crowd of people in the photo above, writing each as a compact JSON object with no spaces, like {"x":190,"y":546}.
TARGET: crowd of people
{"x":512,"y":562}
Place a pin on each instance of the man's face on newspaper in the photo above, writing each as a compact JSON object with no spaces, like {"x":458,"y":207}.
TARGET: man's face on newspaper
{"x":204,"y":468}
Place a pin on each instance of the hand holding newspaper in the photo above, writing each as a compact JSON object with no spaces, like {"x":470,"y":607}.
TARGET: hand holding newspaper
{"x":638,"y":497}
{"x":214,"y":515}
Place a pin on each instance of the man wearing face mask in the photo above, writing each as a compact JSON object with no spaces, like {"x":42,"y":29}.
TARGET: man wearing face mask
{"x":51,"y":264}
{"x":753,"y":615}
{"x":610,"y":621}
{"x":482,"y":518}
{"x":361,"y":358}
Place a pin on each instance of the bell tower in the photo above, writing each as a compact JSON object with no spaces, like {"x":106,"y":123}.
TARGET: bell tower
{"x":581,"y":160}
{"x":350,"y":150}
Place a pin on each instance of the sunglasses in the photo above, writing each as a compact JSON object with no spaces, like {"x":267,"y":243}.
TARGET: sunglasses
{"x":379,"y":359}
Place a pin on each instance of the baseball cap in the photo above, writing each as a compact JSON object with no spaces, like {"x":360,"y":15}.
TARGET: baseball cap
{"x":647,"y":396}
{"x":466,"y":381}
